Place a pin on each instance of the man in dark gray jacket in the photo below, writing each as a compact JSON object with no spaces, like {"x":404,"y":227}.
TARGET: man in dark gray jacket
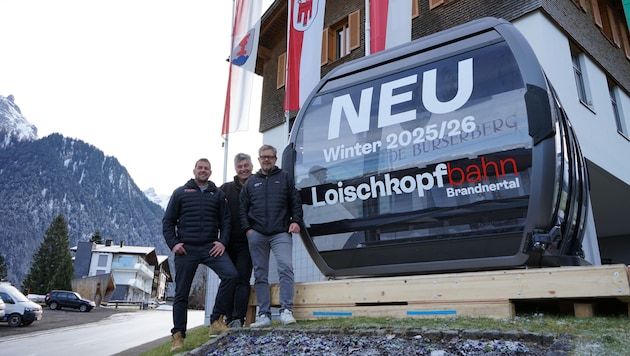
{"x":270,"y":212}
{"x":196,"y":227}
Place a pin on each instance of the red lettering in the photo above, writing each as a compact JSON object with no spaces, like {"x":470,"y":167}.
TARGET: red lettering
{"x":513,"y":162}
{"x":485,"y":168}
{"x":475,"y":173}
{"x":457,"y":171}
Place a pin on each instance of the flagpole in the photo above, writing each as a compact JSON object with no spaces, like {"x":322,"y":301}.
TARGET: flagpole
{"x":286,"y":73}
{"x":225,"y":157}
{"x":367,"y":28}
{"x":226,"y":138}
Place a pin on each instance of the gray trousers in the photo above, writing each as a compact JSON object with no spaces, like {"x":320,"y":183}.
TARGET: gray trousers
{"x":260,"y":247}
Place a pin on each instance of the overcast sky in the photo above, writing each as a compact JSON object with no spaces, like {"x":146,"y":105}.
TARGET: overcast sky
{"x":142,"y":80}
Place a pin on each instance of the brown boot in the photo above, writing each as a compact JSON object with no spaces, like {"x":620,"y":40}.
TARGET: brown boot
{"x":218,"y":327}
{"x":178,"y":341}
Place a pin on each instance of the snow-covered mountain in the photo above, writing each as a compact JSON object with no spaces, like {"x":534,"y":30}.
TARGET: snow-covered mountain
{"x":43,"y":177}
{"x":15,"y":128}
{"x":159,"y":199}
{"x":14,"y":125}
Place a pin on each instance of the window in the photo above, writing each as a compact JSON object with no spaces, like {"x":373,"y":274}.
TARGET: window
{"x":614,"y":92}
{"x":102,"y":260}
{"x":341,"y":41}
{"x":341,"y":38}
{"x":126,"y":260}
{"x":325,"y":165}
{"x":6,"y":298}
{"x":580,"y":78}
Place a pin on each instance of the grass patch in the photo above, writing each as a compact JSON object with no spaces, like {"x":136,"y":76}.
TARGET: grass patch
{"x":591,"y":336}
{"x":194,"y":338}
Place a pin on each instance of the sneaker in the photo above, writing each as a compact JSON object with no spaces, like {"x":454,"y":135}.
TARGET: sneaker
{"x":261,"y":320}
{"x":178,"y":341}
{"x":286,"y":317}
{"x":218,"y":327}
{"x":235,"y":324}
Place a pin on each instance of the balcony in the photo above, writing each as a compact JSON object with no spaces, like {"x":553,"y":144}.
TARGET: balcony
{"x":138,"y":267}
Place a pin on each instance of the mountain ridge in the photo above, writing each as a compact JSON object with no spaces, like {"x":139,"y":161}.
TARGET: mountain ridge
{"x":43,"y":177}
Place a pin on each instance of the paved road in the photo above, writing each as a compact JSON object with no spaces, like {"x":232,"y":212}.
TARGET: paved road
{"x":115,"y":334}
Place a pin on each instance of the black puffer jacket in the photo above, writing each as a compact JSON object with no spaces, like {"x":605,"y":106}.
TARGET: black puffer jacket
{"x":232,"y":191}
{"x":195,"y":217}
{"x":270,"y":203}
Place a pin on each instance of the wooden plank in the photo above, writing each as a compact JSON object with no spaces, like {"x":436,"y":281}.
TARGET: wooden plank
{"x":560,"y":282}
{"x":487,"y":293}
{"x":428,"y":310}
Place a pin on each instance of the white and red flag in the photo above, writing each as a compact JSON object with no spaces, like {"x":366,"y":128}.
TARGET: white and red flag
{"x":389,"y":23}
{"x":306,"y":23}
{"x":245,"y":35}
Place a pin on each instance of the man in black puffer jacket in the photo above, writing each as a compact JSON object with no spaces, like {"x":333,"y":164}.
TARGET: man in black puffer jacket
{"x":238,"y":249}
{"x":196,"y":227}
{"x":270,"y":212}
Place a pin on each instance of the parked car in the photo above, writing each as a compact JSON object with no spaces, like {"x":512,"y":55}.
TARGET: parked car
{"x":18,"y":310}
{"x":58,"y":299}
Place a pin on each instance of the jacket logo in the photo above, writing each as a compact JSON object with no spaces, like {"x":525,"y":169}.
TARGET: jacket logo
{"x":190,"y":190}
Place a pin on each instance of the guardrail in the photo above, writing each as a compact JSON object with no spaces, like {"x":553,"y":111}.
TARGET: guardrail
{"x":127,"y":303}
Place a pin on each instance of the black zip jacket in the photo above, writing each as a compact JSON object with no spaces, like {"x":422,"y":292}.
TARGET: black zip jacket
{"x":232,"y":191}
{"x":270,"y":203}
{"x":195,"y":217}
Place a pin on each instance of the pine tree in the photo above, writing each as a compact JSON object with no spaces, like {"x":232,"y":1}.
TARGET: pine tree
{"x":4,"y":271}
{"x":97,"y":238}
{"x":52,"y":264}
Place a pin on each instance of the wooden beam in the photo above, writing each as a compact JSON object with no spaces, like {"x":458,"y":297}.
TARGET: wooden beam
{"x":488,"y":293}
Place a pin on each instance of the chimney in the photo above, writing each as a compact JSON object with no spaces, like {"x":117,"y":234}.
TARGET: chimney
{"x":108,"y":242}
{"x":122,"y":243}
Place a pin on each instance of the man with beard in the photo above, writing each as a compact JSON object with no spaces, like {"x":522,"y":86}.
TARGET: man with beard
{"x":196,"y":227}
{"x":270,"y":212}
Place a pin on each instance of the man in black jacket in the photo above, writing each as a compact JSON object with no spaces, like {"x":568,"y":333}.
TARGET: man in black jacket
{"x":238,"y":250}
{"x":270,"y":212}
{"x":196,"y":227}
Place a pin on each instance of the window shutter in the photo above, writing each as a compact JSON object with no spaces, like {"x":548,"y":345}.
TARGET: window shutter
{"x":435,"y":3}
{"x":583,"y":4}
{"x":332,"y":44}
{"x":597,"y":16}
{"x":354,"y":26}
{"x":624,"y":39}
{"x":325,"y":47}
{"x":613,"y":26}
{"x":282,"y":61}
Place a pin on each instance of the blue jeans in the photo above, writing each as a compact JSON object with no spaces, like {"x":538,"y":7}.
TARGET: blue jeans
{"x":239,"y":254}
{"x":185,"y":268}
{"x":260,"y":247}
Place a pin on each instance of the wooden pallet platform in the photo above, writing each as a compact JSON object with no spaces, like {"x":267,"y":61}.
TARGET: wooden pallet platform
{"x":478,"y":294}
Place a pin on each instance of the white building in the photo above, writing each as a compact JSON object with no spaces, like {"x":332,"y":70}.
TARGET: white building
{"x":138,"y":272}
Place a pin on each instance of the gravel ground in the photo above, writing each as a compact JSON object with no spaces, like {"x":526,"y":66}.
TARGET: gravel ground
{"x":376,"y":342}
